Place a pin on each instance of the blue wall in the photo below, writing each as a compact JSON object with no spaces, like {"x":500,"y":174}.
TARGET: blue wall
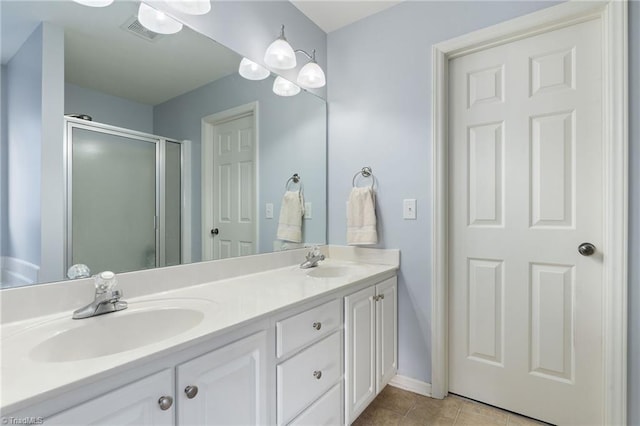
{"x":24,"y":136}
{"x":633,"y":397}
{"x":4,"y":159}
{"x":379,"y":115}
{"x":292,"y":135}
{"x":108,"y":109}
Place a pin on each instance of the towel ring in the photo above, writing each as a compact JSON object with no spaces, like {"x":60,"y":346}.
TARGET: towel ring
{"x":294,"y":179}
{"x":365,"y":172}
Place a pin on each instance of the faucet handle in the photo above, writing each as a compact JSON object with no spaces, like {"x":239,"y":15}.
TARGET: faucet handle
{"x":105,"y":281}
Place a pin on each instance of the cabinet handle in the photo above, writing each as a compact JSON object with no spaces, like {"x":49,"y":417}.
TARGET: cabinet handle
{"x":317,"y":374}
{"x":165,"y":402}
{"x":376,"y":298}
{"x":191,"y":391}
{"x":381,"y":297}
{"x":317,"y":325}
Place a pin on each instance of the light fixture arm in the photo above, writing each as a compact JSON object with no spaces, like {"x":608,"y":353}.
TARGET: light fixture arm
{"x":312,"y":56}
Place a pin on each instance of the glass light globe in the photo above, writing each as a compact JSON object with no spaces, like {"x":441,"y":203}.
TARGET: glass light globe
{"x":283,"y":87}
{"x":311,"y":76}
{"x":94,"y":3}
{"x":157,"y":21}
{"x":252,"y":71}
{"x":191,"y":7}
{"x":280,"y":55}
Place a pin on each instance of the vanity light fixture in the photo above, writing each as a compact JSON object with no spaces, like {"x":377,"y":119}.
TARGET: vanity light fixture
{"x":283,"y":87}
{"x":252,"y":71}
{"x":94,"y":3}
{"x":280,"y":54}
{"x":157,"y":21}
{"x":311,"y":75}
{"x":191,"y":7}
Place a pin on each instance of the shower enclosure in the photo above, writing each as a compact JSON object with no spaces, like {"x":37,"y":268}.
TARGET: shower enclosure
{"x":124,"y":198}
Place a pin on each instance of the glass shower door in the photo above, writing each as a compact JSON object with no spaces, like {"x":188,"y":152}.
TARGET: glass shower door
{"x":113,"y":193}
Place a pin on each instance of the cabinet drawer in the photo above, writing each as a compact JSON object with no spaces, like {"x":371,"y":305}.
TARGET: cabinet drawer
{"x":327,"y":411}
{"x":299,"y":383}
{"x":299,"y":330}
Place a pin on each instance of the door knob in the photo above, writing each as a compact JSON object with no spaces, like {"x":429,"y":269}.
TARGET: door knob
{"x":165,"y":402}
{"x":191,"y":391}
{"x":215,"y":231}
{"x":586,"y":249}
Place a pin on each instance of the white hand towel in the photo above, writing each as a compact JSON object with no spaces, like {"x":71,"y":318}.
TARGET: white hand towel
{"x":361,"y":217}
{"x":291,"y":212}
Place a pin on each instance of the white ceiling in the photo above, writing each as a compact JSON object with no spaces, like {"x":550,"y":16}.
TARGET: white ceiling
{"x":331,"y":15}
{"x":102,"y":56}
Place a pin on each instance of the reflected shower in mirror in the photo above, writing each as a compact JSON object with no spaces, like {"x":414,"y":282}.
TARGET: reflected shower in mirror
{"x":123,"y":149}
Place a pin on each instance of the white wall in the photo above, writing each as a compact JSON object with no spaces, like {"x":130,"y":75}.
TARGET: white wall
{"x":108,"y":109}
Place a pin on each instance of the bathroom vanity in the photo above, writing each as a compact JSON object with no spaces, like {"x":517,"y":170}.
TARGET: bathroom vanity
{"x":276,"y":345}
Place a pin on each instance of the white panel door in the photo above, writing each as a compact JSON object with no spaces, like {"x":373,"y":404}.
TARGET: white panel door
{"x":234,"y":183}
{"x":230,"y":385}
{"x":133,"y":404}
{"x":525,"y":314}
{"x":360,"y":352}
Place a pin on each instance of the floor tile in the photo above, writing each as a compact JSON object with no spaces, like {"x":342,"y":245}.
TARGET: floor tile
{"x":430,"y":408}
{"x":395,"y":399}
{"x":475,"y":419}
{"x":472,"y":407}
{"x":515,"y":420}
{"x":378,"y":416}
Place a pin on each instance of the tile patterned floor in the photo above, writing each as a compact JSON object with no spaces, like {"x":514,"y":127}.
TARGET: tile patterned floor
{"x":398,"y":407}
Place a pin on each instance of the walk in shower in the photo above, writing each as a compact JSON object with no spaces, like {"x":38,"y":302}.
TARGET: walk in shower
{"x":124,"y":198}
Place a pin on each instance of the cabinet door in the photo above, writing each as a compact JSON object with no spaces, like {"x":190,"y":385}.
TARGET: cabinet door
{"x":133,"y":404}
{"x":231,"y":385}
{"x":386,"y":332}
{"x":360,"y":366}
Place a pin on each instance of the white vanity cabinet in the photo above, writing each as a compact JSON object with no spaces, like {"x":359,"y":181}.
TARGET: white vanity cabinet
{"x":223,"y":387}
{"x":371,"y":344}
{"x":309,"y":370}
{"x":226,"y":386}
{"x":148,"y":401}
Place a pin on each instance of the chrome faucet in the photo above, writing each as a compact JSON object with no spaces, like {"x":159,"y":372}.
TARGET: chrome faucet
{"x":106,"y":298}
{"x":312,"y":258}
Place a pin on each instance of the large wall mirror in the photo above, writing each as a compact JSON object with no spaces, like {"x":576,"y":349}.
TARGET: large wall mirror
{"x":123,"y":149}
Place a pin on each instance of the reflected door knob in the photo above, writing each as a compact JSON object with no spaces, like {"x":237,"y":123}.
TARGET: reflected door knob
{"x":586,"y":249}
{"x":165,"y":402}
{"x":215,"y":231}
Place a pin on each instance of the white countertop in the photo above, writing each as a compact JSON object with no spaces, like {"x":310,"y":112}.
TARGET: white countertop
{"x":225,"y":303}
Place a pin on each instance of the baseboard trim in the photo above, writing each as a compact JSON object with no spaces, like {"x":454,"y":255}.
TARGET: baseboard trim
{"x":411,"y":385}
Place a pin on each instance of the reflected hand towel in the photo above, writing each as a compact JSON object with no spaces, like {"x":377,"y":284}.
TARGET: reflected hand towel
{"x":361,"y":217}
{"x":291,"y":212}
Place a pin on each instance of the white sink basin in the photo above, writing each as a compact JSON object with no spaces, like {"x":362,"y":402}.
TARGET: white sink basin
{"x":141,"y":324}
{"x":326,"y":271}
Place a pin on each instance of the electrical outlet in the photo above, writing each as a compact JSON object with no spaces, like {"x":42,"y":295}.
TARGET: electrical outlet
{"x":409,"y":209}
{"x":307,"y":211}
{"x":269,"y":211}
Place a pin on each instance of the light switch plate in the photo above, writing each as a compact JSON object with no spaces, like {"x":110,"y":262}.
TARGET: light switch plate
{"x":307,"y":211}
{"x":269,"y":211}
{"x":409,"y":209}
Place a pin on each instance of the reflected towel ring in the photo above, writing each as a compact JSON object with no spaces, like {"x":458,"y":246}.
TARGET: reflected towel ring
{"x":294,"y":179}
{"x":365,"y":172}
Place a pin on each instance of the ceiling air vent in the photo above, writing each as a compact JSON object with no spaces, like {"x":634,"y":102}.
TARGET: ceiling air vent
{"x":134,"y":26}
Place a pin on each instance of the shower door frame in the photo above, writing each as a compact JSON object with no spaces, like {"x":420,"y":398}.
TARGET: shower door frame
{"x":160,"y":152}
